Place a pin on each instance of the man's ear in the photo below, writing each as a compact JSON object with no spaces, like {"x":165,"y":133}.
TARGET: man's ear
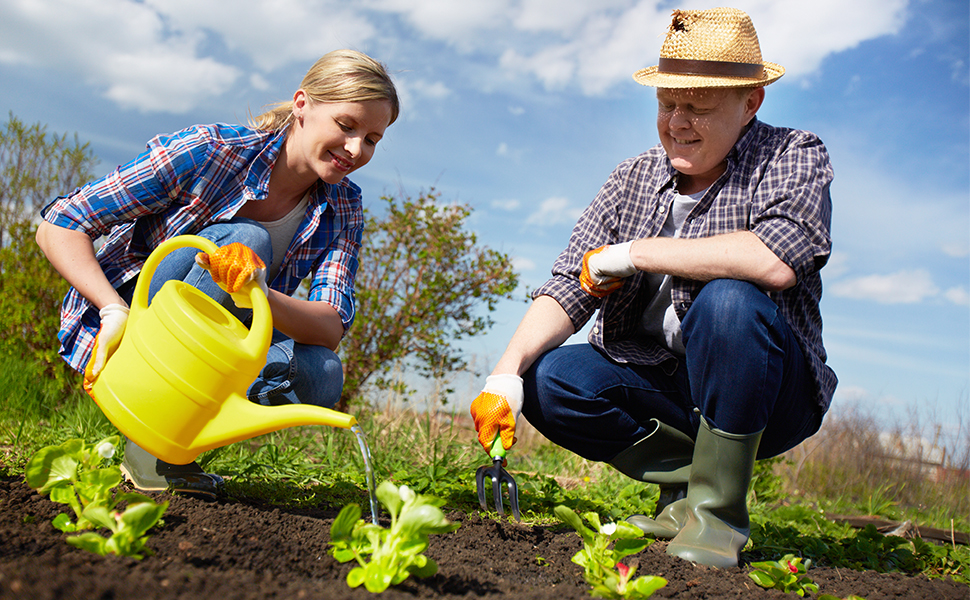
{"x":752,"y":102}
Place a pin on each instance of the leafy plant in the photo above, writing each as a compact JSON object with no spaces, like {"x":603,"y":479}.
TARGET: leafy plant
{"x":601,"y":564}
{"x":72,"y":474}
{"x":387,"y":557}
{"x":425,"y":282}
{"x":787,"y":575}
{"x":35,"y":166}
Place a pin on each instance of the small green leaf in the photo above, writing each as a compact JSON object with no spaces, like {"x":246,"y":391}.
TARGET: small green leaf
{"x":429,"y":568}
{"x":376,"y":580}
{"x":63,"y":495}
{"x":343,"y":525}
{"x":64,"y":523}
{"x":141,"y":517}
{"x":390,"y":497}
{"x":625,"y":547}
{"x":91,"y":542}
{"x":355,"y":577}
{"x":762,"y":579}
{"x":100,"y":516}
{"x":648,"y":584}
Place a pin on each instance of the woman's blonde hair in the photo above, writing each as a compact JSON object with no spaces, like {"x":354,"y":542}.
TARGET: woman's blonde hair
{"x":338,"y":76}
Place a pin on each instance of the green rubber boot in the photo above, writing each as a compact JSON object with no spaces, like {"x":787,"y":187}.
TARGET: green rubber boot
{"x":717,"y":524}
{"x":662,"y":457}
{"x":150,"y":474}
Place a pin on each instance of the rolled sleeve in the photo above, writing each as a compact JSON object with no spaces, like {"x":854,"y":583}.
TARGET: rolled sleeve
{"x":793,"y":217}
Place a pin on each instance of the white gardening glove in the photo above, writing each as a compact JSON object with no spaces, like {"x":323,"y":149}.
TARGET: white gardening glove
{"x":232,"y":267}
{"x":496,"y":409}
{"x":605,"y":267}
{"x":114,"y":318}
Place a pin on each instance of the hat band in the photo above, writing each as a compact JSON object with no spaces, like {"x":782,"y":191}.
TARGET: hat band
{"x":682,"y":66}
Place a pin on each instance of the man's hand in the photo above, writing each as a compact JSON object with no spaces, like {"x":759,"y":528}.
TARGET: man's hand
{"x":604,"y":269}
{"x":233,"y":266}
{"x":496,"y":409}
{"x":114,"y":318}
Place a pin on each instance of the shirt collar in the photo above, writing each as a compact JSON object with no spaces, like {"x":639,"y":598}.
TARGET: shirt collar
{"x":257,"y":179}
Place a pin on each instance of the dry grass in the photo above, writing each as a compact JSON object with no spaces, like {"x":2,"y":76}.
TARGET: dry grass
{"x":853,"y":462}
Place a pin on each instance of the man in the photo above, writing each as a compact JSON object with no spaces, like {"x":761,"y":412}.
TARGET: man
{"x":702,"y":258}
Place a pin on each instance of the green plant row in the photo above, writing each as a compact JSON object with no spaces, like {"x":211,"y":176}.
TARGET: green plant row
{"x":431,"y":455}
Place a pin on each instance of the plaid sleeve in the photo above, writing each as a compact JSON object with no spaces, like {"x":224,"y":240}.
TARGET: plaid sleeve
{"x":600,"y":224}
{"x":792,"y":210}
{"x":134,"y":189}
{"x":334,"y":278}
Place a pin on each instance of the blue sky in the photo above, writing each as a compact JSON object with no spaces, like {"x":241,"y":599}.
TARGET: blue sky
{"x":521,"y":108}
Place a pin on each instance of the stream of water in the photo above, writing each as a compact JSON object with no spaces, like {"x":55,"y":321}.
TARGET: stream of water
{"x":368,"y":471}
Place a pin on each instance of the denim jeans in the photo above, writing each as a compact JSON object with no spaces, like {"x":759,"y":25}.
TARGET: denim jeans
{"x":294,"y":373}
{"x":743,"y":371}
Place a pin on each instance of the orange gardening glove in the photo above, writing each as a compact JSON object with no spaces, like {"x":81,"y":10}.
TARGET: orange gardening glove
{"x":114,"y":318}
{"x":496,"y":409}
{"x":233,"y":266}
{"x":605,"y":268}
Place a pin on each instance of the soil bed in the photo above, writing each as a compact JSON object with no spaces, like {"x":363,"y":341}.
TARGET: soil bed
{"x":239,"y":550}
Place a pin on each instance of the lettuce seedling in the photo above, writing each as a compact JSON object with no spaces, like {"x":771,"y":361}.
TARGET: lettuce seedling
{"x":387,"y":557}
{"x":72,"y":473}
{"x":787,"y":575}
{"x":601,"y":564}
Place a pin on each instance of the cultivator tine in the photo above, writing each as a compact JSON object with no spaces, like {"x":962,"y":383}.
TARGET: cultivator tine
{"x":480,"y":484}
{"x":498,"y":475}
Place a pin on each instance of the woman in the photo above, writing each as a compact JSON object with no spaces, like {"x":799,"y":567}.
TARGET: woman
{"x":275,"y":193}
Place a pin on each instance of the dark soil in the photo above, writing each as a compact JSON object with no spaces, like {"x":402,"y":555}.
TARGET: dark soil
{"x":236,"y":550}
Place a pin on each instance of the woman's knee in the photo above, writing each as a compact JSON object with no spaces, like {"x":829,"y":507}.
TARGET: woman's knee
{"x":243,"y":231}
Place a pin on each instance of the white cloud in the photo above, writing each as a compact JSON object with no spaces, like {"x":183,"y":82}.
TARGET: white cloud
{"x":460,"y":24}
{"x":273,"y":34}
{"x":173,"y":55}
{"x":852,"y":393}
{"x":506,"y":205}
{"x":521,"y":264}
{"x":901,"y":287}
{"x":958,"y":295}
{"x":799,"y":35}
{"x":126,"y":49}
{"x":429,"y":89}
{"x":554,"y":211}
{"x":956,"y":249}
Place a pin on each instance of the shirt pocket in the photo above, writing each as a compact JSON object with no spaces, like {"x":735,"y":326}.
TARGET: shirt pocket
{"x":722,"y":219}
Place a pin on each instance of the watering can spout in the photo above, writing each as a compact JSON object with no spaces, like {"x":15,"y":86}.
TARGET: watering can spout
{"x":242,"y":420}
{"x":177,"y":383}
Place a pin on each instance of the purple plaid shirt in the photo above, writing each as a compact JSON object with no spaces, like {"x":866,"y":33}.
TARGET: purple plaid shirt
{"x":776,"y":186}
{"x":181,"y":184}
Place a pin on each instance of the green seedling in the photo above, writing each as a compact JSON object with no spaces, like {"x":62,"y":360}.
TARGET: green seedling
{"x":788,"y":575}
{"x":601,"y":564}
{"x":387,"y":557}
{"x":72,"y":474}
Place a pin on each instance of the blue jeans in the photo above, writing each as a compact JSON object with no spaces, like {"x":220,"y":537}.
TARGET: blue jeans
{"x":294,"y":373}
{"x":743,"y":371}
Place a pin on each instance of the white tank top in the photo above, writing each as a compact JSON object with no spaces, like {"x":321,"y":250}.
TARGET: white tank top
{"x":281,"y":232}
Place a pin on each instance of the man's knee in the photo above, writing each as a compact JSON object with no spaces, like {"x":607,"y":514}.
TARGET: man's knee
{"x":727,"y":307}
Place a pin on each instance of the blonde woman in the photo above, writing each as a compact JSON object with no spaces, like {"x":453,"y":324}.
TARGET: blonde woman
{"x":273,"y":195}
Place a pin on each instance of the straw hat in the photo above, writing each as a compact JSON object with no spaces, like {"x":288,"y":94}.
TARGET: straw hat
{"x":710,"y":48}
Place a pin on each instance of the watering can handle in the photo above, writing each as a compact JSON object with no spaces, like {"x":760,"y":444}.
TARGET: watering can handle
{"x":262,"y":327}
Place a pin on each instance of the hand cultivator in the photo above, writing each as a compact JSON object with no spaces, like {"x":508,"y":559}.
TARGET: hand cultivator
{"x":498,"y":476}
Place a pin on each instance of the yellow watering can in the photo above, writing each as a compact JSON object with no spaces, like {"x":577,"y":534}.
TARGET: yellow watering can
{"x":176,"y":385}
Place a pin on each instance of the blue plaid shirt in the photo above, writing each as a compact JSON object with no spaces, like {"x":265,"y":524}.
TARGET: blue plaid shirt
{"x":181,"y":184}
{"x":776,"y":186}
